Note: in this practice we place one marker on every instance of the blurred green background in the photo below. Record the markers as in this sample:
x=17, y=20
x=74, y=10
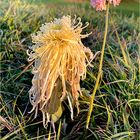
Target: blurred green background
x=126, y=7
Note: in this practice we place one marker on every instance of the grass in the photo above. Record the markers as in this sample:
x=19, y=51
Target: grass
x=117, y=102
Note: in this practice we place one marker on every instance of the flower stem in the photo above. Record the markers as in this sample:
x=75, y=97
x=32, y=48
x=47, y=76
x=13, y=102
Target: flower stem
x=99, y=71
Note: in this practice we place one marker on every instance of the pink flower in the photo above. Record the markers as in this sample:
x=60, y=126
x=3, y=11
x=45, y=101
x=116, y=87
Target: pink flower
x=100, y=5
x=115, y=2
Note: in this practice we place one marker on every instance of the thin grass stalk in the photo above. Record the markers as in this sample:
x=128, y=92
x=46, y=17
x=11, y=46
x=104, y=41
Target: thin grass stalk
x=122, y=48
x=59, y=130
x=99, y=71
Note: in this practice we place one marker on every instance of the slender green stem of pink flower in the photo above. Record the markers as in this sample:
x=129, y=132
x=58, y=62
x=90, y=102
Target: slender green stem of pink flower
x=100, y=70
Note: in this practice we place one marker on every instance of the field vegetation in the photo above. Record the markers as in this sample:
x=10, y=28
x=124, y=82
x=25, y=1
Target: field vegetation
x=116, y=113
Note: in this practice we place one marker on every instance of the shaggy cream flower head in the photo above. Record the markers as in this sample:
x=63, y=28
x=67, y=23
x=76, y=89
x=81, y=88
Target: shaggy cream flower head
x=60, y=61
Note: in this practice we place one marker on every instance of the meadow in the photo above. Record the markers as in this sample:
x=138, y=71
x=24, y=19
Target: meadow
x=116, y=112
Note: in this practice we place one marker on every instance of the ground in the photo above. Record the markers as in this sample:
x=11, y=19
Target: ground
x=116, y=108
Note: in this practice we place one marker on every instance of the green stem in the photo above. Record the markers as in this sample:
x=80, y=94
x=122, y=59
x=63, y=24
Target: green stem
x=99, y=71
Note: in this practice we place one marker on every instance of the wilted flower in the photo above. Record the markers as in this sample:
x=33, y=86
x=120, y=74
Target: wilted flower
x=101, y=4
x=60, y=61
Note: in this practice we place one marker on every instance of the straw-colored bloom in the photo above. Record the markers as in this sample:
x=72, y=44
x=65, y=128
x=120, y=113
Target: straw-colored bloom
x=101, y=4
x=60, y=61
